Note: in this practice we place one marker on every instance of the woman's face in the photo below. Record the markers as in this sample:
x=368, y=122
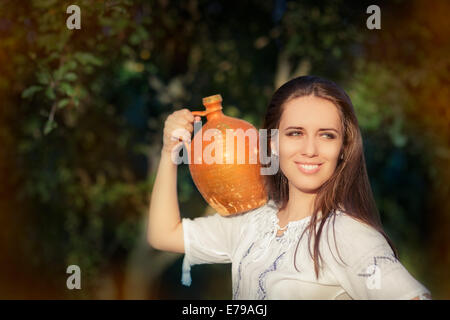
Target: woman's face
x=310, y=141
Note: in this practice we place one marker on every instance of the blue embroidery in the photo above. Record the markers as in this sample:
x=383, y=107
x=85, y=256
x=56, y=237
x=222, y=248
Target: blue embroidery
x=261, y=290
x=390, y=258
x=239, y=272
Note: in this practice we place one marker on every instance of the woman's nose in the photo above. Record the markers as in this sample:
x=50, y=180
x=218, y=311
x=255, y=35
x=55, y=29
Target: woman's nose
x=309, y=147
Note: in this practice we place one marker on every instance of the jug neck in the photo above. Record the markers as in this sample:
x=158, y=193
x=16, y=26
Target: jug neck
x=216, y=110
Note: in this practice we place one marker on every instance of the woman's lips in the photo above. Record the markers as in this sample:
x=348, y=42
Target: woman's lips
x=308, y=168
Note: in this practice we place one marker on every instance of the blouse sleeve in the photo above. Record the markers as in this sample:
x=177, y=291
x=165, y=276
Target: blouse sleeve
x=368, y=269
x=210, y=239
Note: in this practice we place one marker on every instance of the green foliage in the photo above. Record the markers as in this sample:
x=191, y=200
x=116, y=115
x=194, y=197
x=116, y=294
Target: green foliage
x=30, y=91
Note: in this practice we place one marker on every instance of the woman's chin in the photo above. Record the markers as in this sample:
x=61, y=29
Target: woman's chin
x=308, y=188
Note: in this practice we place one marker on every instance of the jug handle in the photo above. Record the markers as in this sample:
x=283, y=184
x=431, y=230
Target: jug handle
x=200, y=114
x=206, y=112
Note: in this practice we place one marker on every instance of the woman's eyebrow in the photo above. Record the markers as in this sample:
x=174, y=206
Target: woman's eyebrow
x=321, y=129
x=291, y=127
x=328, y=129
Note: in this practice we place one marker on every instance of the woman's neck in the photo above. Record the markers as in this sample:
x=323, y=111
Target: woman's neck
x=299, y=206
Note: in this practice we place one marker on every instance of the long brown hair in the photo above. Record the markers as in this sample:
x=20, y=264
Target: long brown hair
x=348, y=189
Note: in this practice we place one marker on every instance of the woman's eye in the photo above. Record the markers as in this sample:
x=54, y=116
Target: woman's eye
x=329, y=135
x=299, y=133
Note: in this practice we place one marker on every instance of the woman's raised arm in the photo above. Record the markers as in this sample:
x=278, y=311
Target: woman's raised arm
x=165, y=230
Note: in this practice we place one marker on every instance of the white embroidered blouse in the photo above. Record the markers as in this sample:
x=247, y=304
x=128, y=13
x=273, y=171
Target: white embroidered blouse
x=263, y=263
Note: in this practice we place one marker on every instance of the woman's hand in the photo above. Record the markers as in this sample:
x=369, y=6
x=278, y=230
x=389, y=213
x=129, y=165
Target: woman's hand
x=178, y=126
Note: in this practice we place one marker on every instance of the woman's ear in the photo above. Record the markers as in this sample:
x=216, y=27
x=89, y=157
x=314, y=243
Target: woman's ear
x=341, y=154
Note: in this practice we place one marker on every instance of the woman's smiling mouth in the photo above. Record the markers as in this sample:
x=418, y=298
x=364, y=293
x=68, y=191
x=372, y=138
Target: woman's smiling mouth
x=308, y=168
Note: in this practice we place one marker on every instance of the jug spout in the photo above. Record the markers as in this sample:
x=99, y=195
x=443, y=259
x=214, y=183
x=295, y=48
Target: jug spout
x=213, y=105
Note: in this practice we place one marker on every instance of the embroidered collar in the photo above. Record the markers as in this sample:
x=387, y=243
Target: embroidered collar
x=294, y=224
x=267, y=227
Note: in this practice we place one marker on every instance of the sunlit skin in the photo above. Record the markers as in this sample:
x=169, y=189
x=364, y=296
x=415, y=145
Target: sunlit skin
x=310, y=132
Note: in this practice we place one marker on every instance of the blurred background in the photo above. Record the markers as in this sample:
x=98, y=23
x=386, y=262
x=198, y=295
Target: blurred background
x=82, y=113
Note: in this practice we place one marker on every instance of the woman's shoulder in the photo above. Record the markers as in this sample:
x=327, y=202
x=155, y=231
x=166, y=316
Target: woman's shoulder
x=345, y=222
x=351, y=240
x=353, y=232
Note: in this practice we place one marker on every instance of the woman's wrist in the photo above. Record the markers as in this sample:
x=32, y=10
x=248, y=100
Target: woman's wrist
x=166, y=156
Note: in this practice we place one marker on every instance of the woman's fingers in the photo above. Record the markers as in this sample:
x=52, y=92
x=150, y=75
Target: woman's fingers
x=178, y=128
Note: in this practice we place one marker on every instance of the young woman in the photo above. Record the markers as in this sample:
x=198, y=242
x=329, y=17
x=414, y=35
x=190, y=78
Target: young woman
x=319, y=236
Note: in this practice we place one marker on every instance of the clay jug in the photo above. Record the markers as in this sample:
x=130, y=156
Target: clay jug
x=230, y=186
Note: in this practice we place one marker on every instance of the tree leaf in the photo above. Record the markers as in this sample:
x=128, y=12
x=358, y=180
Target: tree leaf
x=70, y=76
x=63, y=102
x=66, y=88
x=88, y=58
x=43, y=77
x=65, y=69
x=49, y=126
x=30, y=91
